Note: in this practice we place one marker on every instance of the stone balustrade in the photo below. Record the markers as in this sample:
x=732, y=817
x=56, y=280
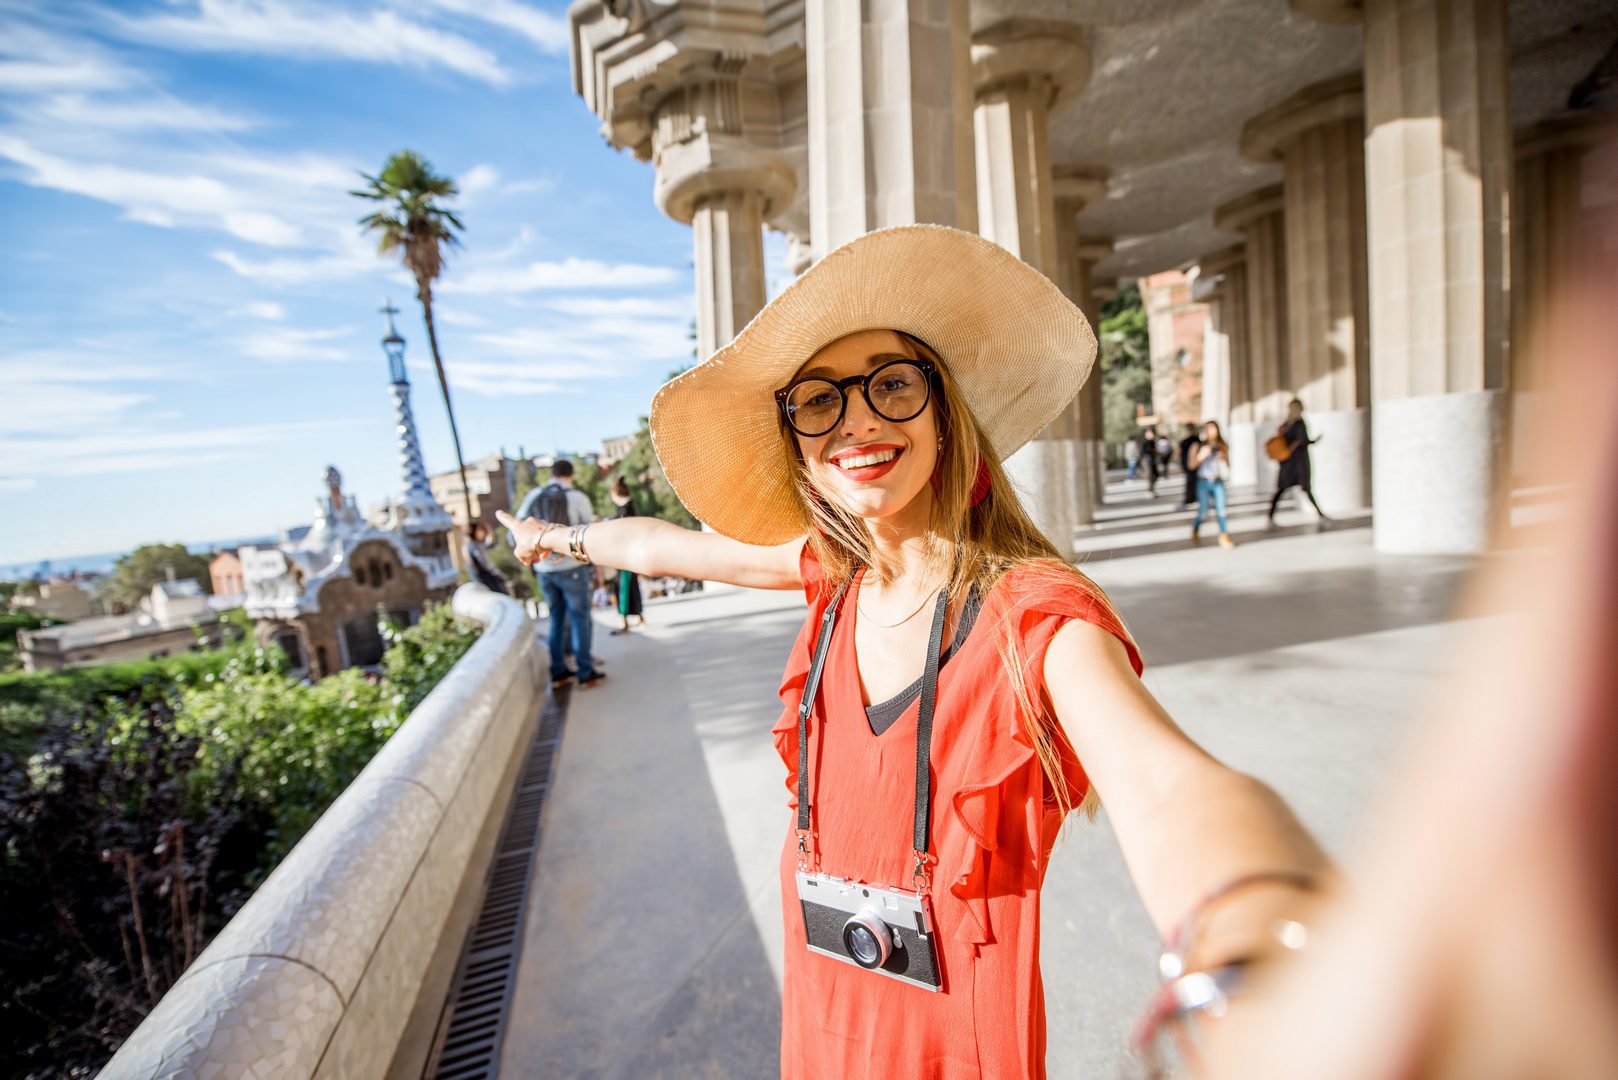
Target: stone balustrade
x=339, y=964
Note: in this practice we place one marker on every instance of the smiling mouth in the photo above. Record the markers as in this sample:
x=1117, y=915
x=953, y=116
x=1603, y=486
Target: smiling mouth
x=855, y=463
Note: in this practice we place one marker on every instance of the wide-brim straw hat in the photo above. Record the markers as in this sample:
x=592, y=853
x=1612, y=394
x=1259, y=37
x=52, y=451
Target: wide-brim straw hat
x=1017, y=348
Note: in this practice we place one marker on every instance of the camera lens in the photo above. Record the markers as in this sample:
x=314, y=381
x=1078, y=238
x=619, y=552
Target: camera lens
x=863, y=945
x=866, y=939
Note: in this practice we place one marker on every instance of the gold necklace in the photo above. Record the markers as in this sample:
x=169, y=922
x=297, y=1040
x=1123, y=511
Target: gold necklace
x=901, y=622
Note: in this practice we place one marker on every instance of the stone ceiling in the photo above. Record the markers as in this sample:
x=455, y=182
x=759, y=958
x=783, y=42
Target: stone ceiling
x=1173, y=81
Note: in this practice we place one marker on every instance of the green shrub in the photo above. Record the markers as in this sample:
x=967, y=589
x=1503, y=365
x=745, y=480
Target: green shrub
x=141, y=804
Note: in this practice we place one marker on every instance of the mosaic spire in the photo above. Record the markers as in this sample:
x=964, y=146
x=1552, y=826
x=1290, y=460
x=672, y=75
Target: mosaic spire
x=413, y=473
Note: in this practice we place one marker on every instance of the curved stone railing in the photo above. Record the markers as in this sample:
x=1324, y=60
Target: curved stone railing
x=339, y=964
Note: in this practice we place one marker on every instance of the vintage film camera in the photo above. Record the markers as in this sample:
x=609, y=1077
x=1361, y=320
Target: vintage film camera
x=882, y=930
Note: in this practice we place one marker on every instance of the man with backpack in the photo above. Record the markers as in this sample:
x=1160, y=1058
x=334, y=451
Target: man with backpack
x=566, y=583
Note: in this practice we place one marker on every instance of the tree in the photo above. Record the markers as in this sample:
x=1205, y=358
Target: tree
x=1126, y=358
x=415, y=225
x=654, y=495
x=133, y=575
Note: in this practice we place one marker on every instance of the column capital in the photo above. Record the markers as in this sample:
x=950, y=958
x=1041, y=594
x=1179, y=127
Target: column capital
x=1266, y=136
x=1095, y=248
x=699, y=148
x=1027, y=48
x=1222, y=261
x=1566, y=131
x=1237, y=214
x=1079, y=186
x=1331, y=11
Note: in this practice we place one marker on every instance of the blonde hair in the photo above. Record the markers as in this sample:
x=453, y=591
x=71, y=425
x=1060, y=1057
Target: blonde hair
x=981, y=542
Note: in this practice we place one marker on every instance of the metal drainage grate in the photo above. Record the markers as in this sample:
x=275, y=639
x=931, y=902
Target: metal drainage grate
x=474, y=1020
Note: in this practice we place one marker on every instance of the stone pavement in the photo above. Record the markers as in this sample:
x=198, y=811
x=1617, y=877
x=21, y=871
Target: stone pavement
x=653, y=938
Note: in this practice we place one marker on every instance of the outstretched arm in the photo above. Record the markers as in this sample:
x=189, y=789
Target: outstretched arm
x=651, y=546
x=1186, y=823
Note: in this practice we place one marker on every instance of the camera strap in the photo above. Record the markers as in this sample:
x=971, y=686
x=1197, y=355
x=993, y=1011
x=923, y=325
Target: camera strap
x=924, y=732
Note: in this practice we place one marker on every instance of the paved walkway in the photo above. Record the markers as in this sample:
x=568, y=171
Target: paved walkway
x=653, y=938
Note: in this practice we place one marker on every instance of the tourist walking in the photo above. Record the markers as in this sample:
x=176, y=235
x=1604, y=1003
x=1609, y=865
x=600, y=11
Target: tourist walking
x=957, y=687
x=565, y=580
x=1295, y=467
x=628, y=591
x=1191, y=440
x=1210, y=461
x=1149, y=455
x=1132, y=455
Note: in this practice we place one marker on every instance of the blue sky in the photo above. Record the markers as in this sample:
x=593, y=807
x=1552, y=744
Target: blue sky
x=188, y=316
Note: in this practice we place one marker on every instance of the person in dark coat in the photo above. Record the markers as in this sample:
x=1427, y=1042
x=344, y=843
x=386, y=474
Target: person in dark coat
x=1295, y=469
x=1187, y=445
x=1148, y=454
x=629, y=598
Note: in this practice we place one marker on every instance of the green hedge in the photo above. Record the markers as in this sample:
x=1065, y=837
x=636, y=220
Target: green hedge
x=148, y=801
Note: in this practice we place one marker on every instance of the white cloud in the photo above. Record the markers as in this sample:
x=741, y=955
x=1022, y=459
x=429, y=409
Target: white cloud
x=453, y=317
x=33, y=61
x=13, y=484
x=138, y=448
x=290, y=344
x=313, y=31
x=478, y=179
x=49, y=406
x=300, y=271
x=543, y=29
x=622, y=306
x=158, y=198
x=265, y=309
x=82, y=112
x=571, y=273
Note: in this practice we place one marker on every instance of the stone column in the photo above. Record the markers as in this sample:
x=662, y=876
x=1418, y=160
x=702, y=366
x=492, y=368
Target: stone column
x=728, y=231
x=890, y=116
x=1318, y=137
x=1076, y=188
x=1551, y=235
x=1222, y=284
x=712, y=177
x=1258, y=218
x=1022, y=69
x=1438, y=181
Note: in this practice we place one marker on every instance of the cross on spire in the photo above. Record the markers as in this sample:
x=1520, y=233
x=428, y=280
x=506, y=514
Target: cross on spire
x=390, y=311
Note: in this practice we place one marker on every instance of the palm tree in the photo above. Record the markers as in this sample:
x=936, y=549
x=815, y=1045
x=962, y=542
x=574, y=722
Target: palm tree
x=413, y=223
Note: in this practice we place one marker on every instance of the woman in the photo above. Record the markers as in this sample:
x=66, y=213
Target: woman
x=629, y=599
x=1210, y=460
x=849, y=442
x=1295, y=468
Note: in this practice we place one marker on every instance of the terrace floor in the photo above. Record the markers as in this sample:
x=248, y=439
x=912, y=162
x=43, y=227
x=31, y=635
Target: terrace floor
x=653, y=941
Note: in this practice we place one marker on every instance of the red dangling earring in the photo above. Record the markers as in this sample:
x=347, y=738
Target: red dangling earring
x=980, y=484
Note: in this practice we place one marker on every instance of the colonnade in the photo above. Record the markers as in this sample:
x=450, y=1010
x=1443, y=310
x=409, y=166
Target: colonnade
x=1374, y=282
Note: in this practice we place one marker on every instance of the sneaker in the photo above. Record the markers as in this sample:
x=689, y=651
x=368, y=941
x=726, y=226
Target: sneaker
x=1225, y=541
x=565, y=680
x=1195, y=538
x=592, y=681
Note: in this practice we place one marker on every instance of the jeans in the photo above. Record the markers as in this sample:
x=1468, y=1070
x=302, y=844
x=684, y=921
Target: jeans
x=1214, y=491
x=567, y=593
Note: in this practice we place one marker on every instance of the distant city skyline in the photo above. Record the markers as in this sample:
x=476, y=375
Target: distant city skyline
x=188, y=325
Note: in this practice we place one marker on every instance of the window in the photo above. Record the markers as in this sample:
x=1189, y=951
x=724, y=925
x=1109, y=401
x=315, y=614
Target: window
x=376, y=575
x=292, y=645
x=387, y=571
x=359, y=575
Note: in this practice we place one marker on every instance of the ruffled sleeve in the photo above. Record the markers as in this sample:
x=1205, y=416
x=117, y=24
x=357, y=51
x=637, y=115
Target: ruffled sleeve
x=796, y=675
x=1004, y=771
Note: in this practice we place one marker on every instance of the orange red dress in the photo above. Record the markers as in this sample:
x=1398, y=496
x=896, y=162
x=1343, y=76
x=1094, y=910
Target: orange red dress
x=992, y=831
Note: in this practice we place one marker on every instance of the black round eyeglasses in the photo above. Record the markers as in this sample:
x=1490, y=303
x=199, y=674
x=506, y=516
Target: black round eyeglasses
x=896, y=391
